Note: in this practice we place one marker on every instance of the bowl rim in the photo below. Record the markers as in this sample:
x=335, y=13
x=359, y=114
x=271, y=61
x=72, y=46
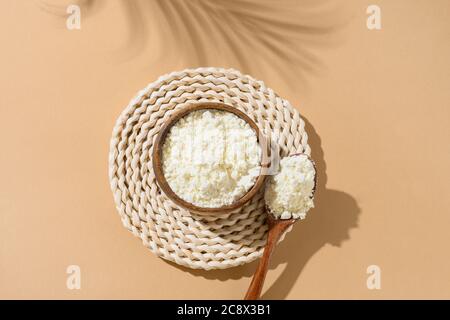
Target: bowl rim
x=157, y=158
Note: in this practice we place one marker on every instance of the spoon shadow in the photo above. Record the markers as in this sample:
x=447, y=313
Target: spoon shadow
x=330, y=222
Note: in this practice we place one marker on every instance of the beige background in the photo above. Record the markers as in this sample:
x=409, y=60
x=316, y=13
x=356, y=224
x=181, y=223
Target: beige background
x=377, y=107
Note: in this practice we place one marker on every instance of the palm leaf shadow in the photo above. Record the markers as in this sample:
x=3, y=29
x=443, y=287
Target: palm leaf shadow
x=260, y=37
x=250, y=35
x=60, y=10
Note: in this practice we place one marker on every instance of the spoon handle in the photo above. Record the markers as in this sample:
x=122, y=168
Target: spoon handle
x=276, y=229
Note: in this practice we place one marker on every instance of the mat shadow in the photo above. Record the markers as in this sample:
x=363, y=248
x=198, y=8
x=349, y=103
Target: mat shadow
x=330, y=222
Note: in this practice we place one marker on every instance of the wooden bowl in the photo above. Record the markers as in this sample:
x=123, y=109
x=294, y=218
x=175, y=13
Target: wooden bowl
x=158, y=168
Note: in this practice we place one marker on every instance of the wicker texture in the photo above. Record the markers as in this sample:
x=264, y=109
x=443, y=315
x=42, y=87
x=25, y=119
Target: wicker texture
x=173, y=233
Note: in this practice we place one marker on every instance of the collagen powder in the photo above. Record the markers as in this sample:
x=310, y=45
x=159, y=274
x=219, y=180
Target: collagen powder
x=211, y=158
x=289, y=193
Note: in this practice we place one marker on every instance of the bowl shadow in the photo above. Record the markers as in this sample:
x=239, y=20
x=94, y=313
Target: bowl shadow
x=335, y=214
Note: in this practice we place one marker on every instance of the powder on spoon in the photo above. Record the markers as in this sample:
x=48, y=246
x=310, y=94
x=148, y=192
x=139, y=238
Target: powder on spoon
x=289, y=193
x=211, y=158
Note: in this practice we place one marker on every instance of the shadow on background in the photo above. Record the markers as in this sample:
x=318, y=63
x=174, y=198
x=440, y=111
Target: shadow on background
x=265, y=38
x=330, y=222
x=280, y=36
x=56, y=8
x=252, y=36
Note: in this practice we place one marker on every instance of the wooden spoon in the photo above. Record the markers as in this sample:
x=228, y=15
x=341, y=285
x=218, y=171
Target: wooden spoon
x=276, y=229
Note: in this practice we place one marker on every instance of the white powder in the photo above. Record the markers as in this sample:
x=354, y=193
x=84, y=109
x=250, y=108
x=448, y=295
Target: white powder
x=211, y=158
x=289, y=193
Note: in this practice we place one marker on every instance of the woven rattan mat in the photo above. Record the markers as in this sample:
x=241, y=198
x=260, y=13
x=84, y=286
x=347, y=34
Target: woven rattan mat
x=173, y=233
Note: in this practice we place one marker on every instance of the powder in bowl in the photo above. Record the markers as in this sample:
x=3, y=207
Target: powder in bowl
x=289, y=193
x=211, y=158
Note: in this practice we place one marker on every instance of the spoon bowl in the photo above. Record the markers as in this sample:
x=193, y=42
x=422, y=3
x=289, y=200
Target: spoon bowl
x=277, y=227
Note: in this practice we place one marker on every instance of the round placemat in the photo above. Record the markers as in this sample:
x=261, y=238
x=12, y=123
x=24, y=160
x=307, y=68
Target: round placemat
x=171, y=232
